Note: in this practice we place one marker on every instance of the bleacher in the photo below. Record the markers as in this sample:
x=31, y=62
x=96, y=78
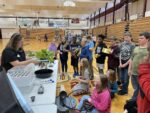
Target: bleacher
x=40, y=33
x=138, y=26
x=118, y=29
x=99, y=30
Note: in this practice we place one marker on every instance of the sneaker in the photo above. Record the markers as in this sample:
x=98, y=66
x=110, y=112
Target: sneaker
x=62, y=76
x=77, y=74
x=74, y=75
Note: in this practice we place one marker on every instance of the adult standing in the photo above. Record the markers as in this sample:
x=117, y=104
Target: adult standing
x=90, y=44
x=45, y=38
x=85, y=52
x=13, y=54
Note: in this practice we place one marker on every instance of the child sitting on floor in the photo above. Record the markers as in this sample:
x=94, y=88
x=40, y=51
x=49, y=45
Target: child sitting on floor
x=112, y=83
x=83, y=85
x=100, y=98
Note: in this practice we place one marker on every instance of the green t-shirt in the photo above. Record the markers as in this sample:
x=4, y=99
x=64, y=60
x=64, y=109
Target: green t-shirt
x=137, y=56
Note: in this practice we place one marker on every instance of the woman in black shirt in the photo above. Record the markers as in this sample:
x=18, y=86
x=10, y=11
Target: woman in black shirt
x=13, y=54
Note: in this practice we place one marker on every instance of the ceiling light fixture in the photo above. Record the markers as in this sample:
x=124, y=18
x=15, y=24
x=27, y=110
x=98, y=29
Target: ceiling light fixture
x=69, y=3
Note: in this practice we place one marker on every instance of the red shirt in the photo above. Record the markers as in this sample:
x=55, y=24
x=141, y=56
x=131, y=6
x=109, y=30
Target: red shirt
x=144, y=81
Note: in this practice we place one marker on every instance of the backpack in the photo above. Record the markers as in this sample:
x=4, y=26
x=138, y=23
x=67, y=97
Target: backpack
x=87, y=106
x=131, y=106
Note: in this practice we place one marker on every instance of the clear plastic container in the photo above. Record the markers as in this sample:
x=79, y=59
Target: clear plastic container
x=23, y=76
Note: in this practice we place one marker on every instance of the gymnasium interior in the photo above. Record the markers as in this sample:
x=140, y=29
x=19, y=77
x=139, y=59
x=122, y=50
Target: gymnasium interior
x=42, y=69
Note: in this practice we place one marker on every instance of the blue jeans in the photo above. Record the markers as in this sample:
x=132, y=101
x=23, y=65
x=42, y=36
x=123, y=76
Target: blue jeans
x=124, y=79
x=86, y=97
x=135, y=84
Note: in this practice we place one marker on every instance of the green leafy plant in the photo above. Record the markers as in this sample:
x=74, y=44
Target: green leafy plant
x=45, y=55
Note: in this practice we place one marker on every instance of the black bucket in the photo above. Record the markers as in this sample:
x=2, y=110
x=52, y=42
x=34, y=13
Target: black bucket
x=43, y=73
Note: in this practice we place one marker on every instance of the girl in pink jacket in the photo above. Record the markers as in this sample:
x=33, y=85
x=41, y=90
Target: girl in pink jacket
x=100, y=98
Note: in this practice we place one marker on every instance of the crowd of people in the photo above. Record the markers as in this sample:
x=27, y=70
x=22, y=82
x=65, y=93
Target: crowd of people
x=125, y=60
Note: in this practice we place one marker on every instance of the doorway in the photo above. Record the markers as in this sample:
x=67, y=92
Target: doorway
x=0, y=33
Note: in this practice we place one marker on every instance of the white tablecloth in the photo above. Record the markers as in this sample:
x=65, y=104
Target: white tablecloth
x=44, y=103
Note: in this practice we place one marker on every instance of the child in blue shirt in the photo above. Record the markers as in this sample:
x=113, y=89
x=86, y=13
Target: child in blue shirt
x=85, y=52
x=90, y=44
x=112, y=83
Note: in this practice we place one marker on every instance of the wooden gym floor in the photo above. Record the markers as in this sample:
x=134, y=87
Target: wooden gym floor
x=35, y=45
